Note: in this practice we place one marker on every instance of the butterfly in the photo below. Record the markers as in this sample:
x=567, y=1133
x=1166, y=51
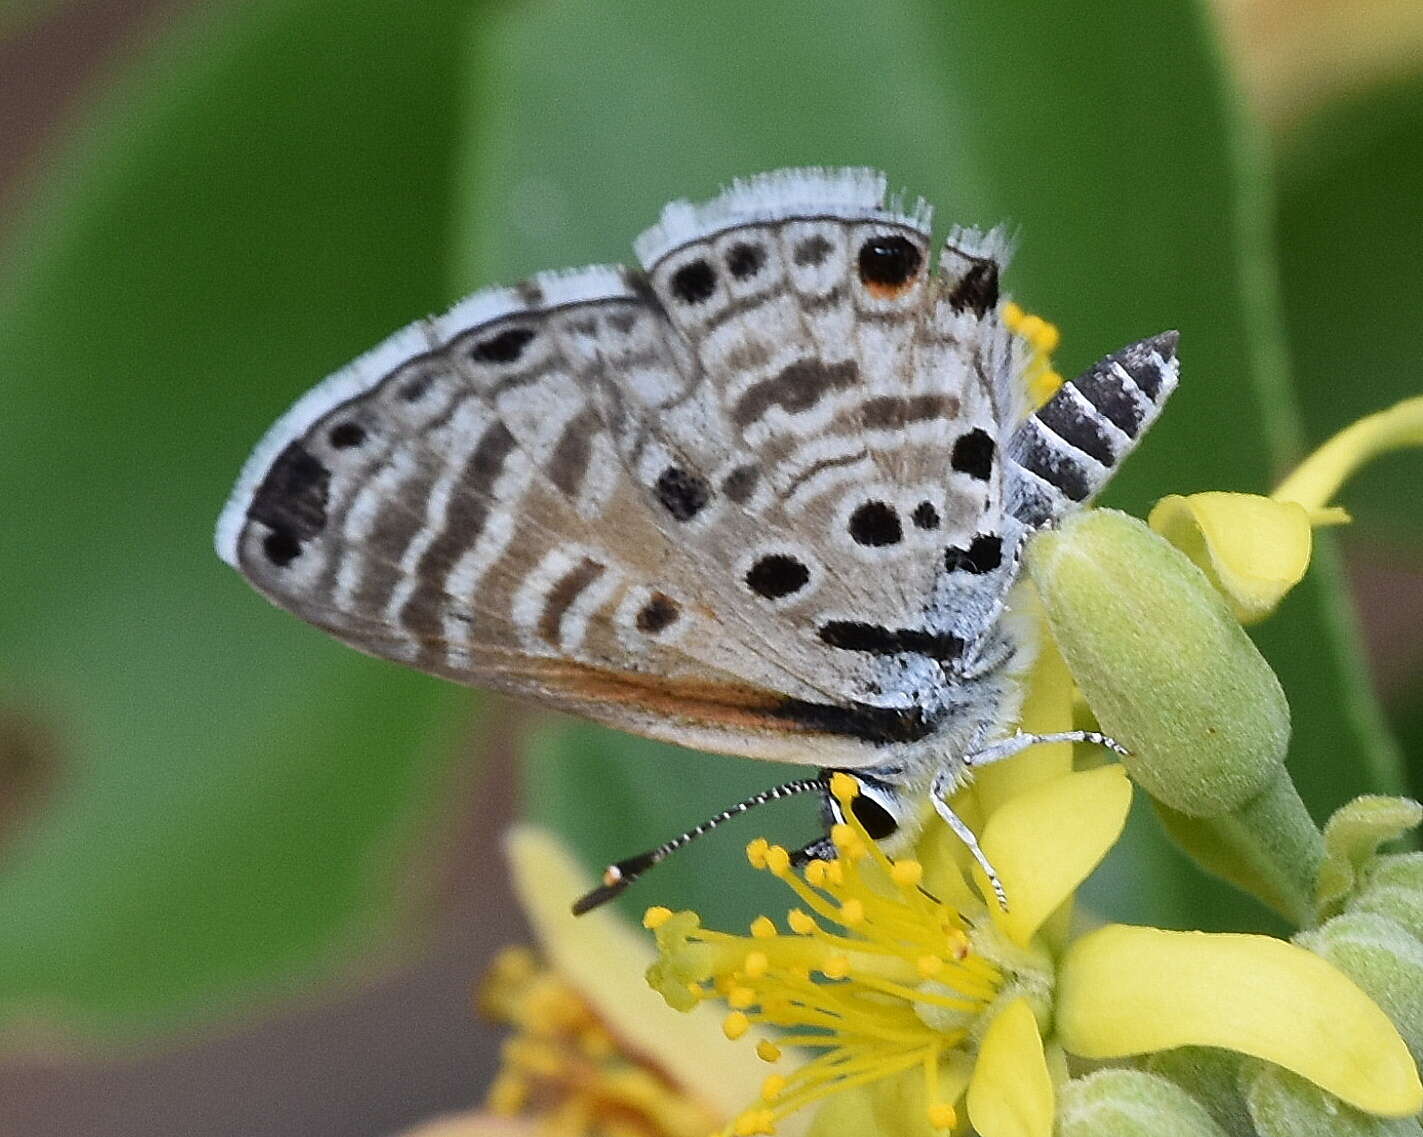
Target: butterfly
x=766, y=495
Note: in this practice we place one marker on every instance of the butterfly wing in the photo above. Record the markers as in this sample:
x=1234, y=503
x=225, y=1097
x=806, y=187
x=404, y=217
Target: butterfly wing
x=748, y=499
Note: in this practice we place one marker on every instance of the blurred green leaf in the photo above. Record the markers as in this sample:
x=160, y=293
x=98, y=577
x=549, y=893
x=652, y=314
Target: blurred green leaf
x=1103, y=131
x=1350, y=234
x=266, y=192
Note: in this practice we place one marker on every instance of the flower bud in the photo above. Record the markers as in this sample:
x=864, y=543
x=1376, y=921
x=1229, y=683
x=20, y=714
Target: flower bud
x=1383, y=959
x=1163, y=663
x=1285, y=1105
x=1393, y=887
x=1211, y=1076
x=1352, y=837
x=1131, y=1103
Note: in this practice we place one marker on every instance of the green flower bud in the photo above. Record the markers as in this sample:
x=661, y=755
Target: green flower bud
x=1352, y=837
x=1384, y=959
x=1211, y=1077
x=1163, y=663
x=1130, y=1103
x=1285, y=1105
x=1393, y=887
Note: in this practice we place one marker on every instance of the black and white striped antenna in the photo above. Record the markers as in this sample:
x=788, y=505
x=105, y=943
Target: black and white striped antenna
x=617, y=877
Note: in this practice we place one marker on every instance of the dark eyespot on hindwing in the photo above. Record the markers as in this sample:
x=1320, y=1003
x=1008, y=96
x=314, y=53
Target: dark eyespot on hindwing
x=812, y=251
x=681, y=492
x=506, y=347
x=777, y=575
x=744, y=260
x=977, y=289
x=973, y=454
x=888, y=263
x=874, y=523
x=984, y=554
x=693, y=282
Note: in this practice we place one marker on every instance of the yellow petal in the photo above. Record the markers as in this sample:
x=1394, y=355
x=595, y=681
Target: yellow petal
x=895, y=1105
x=1011, y=1092
x=1252, y=549
x=605, y=959
x=1319, y=476
x=1046, y=841
x=1124, y=991
x=1047, y=709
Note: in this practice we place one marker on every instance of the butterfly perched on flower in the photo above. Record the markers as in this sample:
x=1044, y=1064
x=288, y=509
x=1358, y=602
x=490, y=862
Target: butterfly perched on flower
x=765, y=495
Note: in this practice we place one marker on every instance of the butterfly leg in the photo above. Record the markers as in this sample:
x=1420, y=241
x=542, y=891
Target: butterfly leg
x=1017, y=743
x=938, y=793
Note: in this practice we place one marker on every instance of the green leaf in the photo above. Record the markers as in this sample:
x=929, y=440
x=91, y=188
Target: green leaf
x=1349, y=233
x=1104, y=132
x=266, y=192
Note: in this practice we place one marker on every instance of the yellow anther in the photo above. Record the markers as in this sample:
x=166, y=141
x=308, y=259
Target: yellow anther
x=1012, y=313
x=762, y=928
x=655, y=917
x=772, y=1087
x=756, y=852
x=778, y=860
x=907, y=874
x=815, y=873
x=1048, y=339
x=735, y=1025
x=836, y=967
x=943, y=1116
x=756, y=964
x=768, y=1051
x=844, y=787
x=835, y=872
x=1030, y=327
x=852, y=912
x=844, y=836
x=800, y=922
x=930, y=965
x=745, y=1125
x=740, y=998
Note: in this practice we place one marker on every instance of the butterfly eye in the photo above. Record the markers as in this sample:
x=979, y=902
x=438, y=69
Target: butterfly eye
x=879, y=823
x=888, y=264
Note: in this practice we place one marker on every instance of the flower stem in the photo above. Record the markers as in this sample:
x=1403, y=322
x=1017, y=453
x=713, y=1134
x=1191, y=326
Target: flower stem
x=1269, y=846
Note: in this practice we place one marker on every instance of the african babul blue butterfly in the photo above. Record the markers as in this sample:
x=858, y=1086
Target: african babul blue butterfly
x=766, y=495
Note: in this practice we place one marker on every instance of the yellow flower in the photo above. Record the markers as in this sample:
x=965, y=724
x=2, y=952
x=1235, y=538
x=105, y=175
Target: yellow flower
x=594, y=1052
x=923, y=1004
x=1255, y=549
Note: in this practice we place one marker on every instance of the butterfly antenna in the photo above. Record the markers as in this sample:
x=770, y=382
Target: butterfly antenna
x=617, y=877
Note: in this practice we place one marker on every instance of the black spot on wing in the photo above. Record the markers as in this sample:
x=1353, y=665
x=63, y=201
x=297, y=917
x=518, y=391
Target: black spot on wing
x=889, y=262
x=973, y=454
x=505, y=347
x=291, y=502
x=777, y=575
x=658, y=614
x=682, y=493
x=875, y=524
x=345, y=435
x=984, y=554
x=740, y=484
x=694, y=282
x=812, y=251
x=875, y=639
x=977, y=290
x=925, y=516
x=744, y=260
